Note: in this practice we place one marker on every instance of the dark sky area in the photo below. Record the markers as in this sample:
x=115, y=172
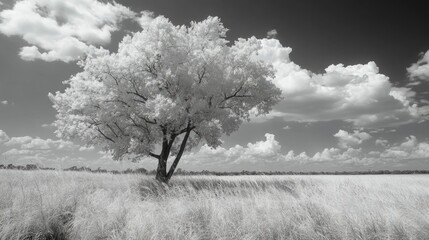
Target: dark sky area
x=391, y=33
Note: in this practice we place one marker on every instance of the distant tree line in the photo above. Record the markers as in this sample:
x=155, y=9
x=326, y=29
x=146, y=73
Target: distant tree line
x=26, y=167
x=368, y=172
x=74, y=168
x=182, y=172
x=100, y=170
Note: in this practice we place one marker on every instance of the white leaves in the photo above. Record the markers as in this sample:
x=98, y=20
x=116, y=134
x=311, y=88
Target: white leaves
x=164, y=80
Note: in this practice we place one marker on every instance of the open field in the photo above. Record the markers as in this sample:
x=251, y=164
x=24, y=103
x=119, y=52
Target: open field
x=77, y=205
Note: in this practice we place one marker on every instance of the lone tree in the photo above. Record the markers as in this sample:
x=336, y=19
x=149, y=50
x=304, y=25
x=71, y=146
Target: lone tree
x=167, y=88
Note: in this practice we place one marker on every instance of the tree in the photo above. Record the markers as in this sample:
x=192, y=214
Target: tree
x=167, y=88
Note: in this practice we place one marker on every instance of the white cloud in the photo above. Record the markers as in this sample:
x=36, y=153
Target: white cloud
x=145, y=18
x=382, y=142
x=346, y=140
x=265, y=152
x=61, y=30
x=358, y=93
x=335, y=154
x=258, y=152
x=265, y=117
x=272, y=33
x=84, y=148
x=30, y=143
x=269, y=152
x=18, y=140
x=4, y=102
x=420, y=70
x=3, y=137
x=410, y=148
x=56, y=153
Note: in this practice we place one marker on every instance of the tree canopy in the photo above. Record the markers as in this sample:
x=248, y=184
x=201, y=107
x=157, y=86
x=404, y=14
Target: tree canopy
x=168, y=86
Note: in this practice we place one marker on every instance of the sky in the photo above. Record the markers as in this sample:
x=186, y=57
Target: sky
x=354, y=77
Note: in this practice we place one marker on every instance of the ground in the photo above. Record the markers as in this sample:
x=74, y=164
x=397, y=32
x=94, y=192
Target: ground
x=79, y=205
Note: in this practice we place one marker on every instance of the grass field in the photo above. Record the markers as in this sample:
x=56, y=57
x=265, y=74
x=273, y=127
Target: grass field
x=78, y=205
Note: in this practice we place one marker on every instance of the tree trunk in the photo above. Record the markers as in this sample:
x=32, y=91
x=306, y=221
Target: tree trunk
x=161, y=171
x=179, y=155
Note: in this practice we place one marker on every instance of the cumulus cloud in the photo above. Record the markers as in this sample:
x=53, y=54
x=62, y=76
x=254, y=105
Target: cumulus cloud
x=62, y=30
x=45, y=152
x=409, y=149
x=357, y=93
x=268, y=152
x=30, y=143
x=3, y=137
x=272, y=33
x=85, y=148
x=56, y=153
x=335, y=154
x=260, y=151
x=265, y=152
x=346, y=139
x=145, y=18
x=382, y=142
x=420, y=70
x=4, y=102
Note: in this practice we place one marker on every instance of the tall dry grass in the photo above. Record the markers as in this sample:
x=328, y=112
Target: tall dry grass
x=70, y=205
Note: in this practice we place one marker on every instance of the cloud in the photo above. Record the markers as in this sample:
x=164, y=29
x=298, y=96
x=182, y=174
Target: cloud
x=3, y=137
x=44, y=152
x=265, y=117
x=268, y=153
x=346, y=139
x=335, y=154
x=4, y=102
x=84, y=148
x=264, y=152
x=382, y=142
x=420, y=70
x=409, y=149
x=272, y=33
x=62, y=30
x=357, y=93
x=56, y=153
x=260, y=151
x=145, y=18
x=30, y=143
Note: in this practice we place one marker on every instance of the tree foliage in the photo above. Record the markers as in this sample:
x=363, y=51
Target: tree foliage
x=168, y=86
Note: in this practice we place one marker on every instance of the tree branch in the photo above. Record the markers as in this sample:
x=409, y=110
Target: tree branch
x=104, y=135
x=201, y=76
x=157, y=156
x=235, y=95
x=138, y=95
